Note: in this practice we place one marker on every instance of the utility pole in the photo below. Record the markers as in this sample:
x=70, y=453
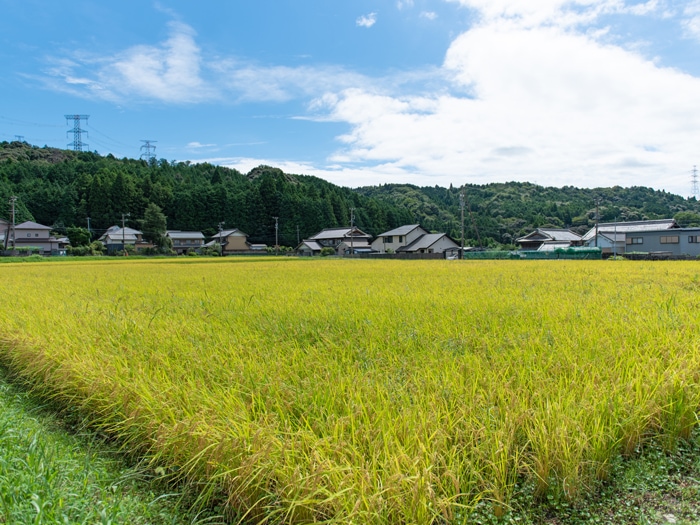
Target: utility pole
x=13, y=199
x=298, y=241
x=19, y=138
x=89, y=230
x=277, y=244
x=221, y=234
x=77, y=131
x=597, y=215
x=124, y=216
x=352, y=227
x=148, y=154
x=461, y=205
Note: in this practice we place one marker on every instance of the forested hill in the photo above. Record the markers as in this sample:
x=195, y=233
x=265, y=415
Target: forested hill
x=62, y=188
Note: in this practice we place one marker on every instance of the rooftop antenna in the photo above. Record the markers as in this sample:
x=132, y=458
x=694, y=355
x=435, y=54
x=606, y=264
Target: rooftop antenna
x=148, y=146
x=694, y=189
x=77, y=131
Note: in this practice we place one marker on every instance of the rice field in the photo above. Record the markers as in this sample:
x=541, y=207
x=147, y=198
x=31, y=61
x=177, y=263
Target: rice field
x=354, y=391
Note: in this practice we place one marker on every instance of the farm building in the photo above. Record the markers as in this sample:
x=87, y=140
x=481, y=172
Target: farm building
x=621, y=237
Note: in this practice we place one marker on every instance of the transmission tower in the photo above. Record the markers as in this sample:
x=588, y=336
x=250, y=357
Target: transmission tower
x=694, y=189
x=77, y=131
x=150, y=152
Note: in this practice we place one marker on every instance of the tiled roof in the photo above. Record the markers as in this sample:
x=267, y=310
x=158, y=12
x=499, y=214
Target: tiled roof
x=338, y=233
x=561, y=235
x=312, y=245
x=423, y=242
x=29, y=225
x=401, y=230
x=174, y=234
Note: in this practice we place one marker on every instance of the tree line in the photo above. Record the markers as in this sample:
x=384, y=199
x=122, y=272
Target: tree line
x=62, y=188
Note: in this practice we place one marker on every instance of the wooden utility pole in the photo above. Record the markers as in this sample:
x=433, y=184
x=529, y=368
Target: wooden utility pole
x=461, y=205
x=13, y=199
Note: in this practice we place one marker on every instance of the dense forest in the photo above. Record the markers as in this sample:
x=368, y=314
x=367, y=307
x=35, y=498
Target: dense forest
x=62, y=188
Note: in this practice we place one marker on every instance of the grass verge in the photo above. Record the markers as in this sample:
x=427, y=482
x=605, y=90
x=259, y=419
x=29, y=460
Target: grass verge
x=50, y=475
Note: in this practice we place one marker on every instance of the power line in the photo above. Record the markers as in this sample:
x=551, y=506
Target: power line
x=25, y=123
x=92, y=128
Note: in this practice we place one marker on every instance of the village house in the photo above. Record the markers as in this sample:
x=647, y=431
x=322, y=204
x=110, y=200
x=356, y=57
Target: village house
x=184, y=241
x=392, y=240
x=343, y=240
x=33, y=237
x=549, y=239
x=431, y=243
x=231, y=241
x=116, y=238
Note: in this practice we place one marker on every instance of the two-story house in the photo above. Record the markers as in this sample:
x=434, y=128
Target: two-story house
x=33, y=237
x=393, y=240
x=184, y=241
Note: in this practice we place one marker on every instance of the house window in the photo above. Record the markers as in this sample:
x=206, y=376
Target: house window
x=400, y=238
x=29, y=235
x=36, y=235
x=693, y=239
x=635, y=240
x=389, y=239
x=670, y=239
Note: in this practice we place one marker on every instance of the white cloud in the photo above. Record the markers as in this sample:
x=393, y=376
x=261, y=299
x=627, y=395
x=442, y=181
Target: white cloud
x=547, y=103
x=198, y=145
x=170, y=72
x=401, y=4
x=691, y=22
x=367, y=20
x=429, y=15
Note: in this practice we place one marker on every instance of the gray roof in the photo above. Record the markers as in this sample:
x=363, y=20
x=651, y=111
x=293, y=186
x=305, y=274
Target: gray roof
x=357, y=242
x=401, y=230
x=338, y=233
x=117, y=238
x=552, y=234
x=227, y=233
x=29, y=225
x=312, y=245
x=558, y=234
x=631, y=227
x=177, y=234
x=116, y=231
x=423, y=242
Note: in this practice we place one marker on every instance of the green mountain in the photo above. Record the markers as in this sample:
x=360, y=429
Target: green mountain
x=63, y=188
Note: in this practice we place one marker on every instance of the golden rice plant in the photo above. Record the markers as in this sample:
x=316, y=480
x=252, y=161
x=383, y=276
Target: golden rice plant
x=355, y=391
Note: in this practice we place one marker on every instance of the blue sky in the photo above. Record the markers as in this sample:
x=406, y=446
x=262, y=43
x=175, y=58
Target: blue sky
x=430, y=92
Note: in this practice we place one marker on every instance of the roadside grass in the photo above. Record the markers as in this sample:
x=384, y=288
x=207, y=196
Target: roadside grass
x=49, y=474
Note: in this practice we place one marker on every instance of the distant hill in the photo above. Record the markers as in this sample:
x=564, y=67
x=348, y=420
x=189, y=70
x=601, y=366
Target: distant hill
x=62, y=188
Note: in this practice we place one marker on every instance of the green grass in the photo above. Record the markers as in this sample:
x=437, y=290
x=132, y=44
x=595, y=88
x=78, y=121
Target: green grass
x=49, y=475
